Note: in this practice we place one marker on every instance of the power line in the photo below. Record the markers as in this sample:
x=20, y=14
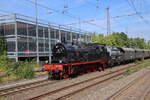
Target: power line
x=131, y=4
x=87, y=21
x=84, y=21
x=54, y=10
x=126, y=15
x=67, y=14
x=83, y=5
x=114, y=17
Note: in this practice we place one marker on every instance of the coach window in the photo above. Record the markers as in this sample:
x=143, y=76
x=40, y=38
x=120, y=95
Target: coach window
x=10, y=29
x=22, y=29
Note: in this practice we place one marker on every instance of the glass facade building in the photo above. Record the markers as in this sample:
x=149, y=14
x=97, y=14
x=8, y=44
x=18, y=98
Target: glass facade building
x=30, y=39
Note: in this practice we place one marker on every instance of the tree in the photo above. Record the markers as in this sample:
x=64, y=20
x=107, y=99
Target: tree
x=120, y=39
x=117, y=39
x=94, y=37
x=139, y=43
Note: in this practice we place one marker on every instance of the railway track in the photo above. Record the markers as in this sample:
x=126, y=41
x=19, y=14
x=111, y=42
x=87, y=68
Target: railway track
x=125, y=89
x=84, y=84
x=19, y=88
x=146, y=95
x=24, y=87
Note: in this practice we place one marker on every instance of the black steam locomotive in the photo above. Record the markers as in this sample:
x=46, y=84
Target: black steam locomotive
x=69, y=59
x=94, y=51
x=79, y=53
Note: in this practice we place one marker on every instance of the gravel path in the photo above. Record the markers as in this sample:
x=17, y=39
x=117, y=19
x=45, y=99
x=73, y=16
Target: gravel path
x=102, y=92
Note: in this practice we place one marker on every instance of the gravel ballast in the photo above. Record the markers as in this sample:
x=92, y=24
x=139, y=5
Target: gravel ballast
x=40, y=90
x=103, y=92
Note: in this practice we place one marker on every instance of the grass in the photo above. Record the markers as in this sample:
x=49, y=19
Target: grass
x=145, y=64
x=2, y=98
x=22, y=70
x=9, y=78
x=118, y=78
x=40, y=73
x=110, y=70
x=16, y=71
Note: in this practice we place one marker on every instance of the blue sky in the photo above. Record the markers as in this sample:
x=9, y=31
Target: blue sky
x=87, y=10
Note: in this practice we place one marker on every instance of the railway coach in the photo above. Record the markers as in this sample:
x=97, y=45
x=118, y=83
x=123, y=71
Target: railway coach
x=129, y=55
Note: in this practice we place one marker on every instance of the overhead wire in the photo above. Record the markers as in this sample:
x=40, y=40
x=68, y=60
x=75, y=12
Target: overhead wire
x=54, y=10
x=67, y=14
x=83, y=5
x=126, y=15
x=114, y=17
x=132, y=5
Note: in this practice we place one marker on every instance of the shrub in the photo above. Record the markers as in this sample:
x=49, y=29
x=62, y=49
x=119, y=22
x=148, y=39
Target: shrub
x=22, y=70
x=4, y=63
x=26, y=70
